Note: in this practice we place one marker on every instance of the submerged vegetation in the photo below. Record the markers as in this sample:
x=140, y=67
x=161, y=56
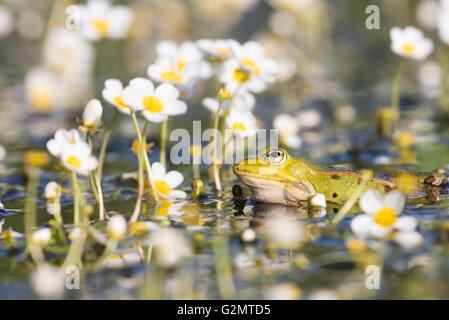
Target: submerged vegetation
x=114, y=183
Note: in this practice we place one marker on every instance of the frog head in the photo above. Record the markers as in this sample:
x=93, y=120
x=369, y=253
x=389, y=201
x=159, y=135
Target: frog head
x=275, y=177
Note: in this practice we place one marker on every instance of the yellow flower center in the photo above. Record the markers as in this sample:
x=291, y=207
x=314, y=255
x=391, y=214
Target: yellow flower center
x=241, y=76
x=41, y=100
x=36, y=158
x=251, y=65
x=153, y=104
x=163, y=209
x=119, y=102
x=385, y=217
x=162, y=187
x=408, y=48
x=73, y=161
x=239, y=126
x=172, y=76
x=102, y=26
x=181, y=64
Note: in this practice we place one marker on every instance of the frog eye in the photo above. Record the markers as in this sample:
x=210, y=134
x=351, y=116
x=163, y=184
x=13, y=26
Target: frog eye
x=276, y=156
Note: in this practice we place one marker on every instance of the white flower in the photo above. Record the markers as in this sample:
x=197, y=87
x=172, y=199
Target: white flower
x=248, y=69
x=308, y=119
x=113, y=93
x=65, y=139
x=6, y=21
x=283, y=291
x=443, y=22
x=92, y=115
x=48, y=282
x=410, y=43
x=43, y=89
x=381, y=214
x=52, y=190
x=117, y=227
x=242, y=102
x=408, y=240
x=54, y=208
x=178, y=64
x=170, y=247
x=288, y=128
x=78, y=158
x=155, y=104
x=166, y=182
x=101, y=20
x=243, y=124
x=318, y=200
x=248, y=235
x=41, y=237
x=285, y=232
x=216, y=50
x=426, y=11
x=68, y=54
x=430, y=77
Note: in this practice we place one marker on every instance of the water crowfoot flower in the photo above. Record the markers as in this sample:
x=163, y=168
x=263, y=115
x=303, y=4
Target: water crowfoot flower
x=52, y=195
x=101, y=20
x=243, y=124
x=154, y=103
x=166, y=182
x=48, y=282
x=288, y=128
x=410, y=43
x=382, y=215
x=113, y=93
x=216, y=50
x=241, y=102
x=116, y=227
x=91, y=120
x=249, y=69
x=178, y=64
x=170, y=248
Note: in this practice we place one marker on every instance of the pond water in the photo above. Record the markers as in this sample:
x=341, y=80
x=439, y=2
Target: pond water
x=221, y=264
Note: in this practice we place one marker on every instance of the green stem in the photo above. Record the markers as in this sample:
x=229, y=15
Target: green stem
x=223, y=268
x=215, y=165
x=95, y=185
x=101, y=209
x=144, y=155
x=163, y=151
x=31, y=205
x=104, y=144
x=76, y=199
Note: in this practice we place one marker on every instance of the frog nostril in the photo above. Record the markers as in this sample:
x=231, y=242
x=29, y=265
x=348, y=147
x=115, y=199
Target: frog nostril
x=334, y=195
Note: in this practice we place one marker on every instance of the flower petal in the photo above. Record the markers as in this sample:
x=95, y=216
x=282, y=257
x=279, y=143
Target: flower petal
x=166, y=91
x=408, y=240
x=158, y=171
x=178, y=194
x=371, y=201
x=395, y=200
x=406, y=224
x=361, y=224
x=174, y=178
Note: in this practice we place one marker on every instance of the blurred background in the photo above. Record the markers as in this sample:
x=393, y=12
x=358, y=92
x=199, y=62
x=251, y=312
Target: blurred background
x=328, y=56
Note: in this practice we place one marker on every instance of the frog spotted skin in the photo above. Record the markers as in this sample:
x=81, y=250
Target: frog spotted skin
x=275, y=177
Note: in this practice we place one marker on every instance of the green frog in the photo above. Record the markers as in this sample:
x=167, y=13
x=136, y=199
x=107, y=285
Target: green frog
x=276, y=177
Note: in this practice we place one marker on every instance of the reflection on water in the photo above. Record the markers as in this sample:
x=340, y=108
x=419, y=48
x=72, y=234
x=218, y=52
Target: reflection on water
x=320, y=259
